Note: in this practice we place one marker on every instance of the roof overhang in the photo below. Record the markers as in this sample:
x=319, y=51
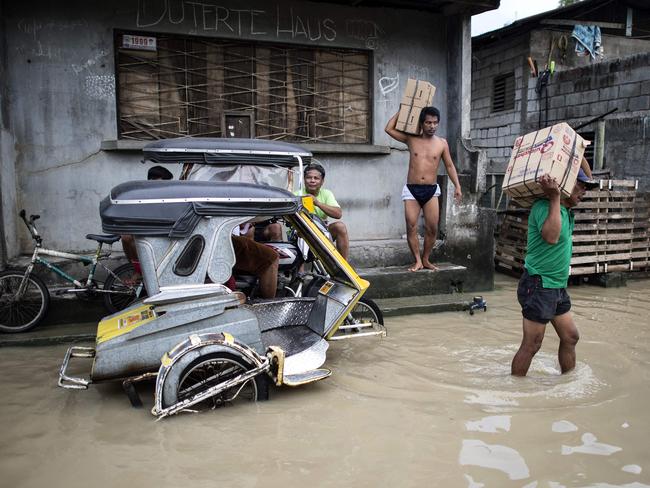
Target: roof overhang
x=441, y=7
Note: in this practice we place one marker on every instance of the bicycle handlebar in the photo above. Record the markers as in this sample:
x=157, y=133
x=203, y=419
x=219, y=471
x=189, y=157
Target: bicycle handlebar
x=30, y=225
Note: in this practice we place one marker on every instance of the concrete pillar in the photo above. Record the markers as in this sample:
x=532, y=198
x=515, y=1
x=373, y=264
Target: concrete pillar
x=8, y=237
x=468, y=159
x=3, y=119
x=459, y=80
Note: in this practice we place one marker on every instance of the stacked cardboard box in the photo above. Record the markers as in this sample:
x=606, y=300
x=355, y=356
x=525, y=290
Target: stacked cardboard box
x=555, y=150
x=417, y=95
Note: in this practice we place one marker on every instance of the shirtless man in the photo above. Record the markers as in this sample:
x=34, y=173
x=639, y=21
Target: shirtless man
x=421, y=190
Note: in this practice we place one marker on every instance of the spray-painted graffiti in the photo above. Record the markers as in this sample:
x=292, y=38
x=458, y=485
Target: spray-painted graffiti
x=307, y=29
x=387, y=84
x=364, y=30
x=196, y=15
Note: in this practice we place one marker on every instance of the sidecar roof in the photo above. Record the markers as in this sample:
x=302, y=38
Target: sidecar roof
x=173, y=208
x=213, y=150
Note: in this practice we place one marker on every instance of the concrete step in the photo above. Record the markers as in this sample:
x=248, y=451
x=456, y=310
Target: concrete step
x=380, y=253
x=398, y=281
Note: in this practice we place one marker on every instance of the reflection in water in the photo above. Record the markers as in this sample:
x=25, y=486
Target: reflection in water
x=494, y=456
x=563, y=426
x=396, y=412
x=590, y=446
x=490, y=424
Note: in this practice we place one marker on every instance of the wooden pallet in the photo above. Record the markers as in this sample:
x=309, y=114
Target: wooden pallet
x=611, y=234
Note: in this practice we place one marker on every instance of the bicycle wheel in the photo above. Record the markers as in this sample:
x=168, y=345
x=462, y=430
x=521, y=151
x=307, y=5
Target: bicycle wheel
x=20, y=315
x=125, y=286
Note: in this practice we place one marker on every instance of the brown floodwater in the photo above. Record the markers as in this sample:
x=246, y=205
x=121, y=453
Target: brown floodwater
x=433, y=404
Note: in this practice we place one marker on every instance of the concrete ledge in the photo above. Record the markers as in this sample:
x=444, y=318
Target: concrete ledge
x=313, y=147
x=393, y=307
x=399, y=282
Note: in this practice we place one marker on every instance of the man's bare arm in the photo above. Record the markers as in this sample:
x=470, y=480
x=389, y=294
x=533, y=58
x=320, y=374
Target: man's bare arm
x=393, y=132
x=552, y=225
x=330, y=210
x=451, y=171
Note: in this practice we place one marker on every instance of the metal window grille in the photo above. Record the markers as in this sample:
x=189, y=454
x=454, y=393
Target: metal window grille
x=205, y=87
x=503, y=93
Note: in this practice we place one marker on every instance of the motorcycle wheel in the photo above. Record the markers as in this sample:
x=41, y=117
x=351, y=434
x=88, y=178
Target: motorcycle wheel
x=366, y=310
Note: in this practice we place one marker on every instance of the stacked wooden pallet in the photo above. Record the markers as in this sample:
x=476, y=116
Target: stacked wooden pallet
x=611, y=232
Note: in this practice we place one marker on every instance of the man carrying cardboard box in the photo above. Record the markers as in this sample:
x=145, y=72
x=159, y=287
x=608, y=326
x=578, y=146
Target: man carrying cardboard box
x=542, y=288
x=421, y=190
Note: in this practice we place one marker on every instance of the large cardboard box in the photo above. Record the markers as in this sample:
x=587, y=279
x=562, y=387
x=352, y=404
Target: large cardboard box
x=556, y=150
x=417, y=95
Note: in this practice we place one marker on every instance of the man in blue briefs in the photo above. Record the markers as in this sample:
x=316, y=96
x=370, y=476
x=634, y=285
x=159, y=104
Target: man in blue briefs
x=421, y=191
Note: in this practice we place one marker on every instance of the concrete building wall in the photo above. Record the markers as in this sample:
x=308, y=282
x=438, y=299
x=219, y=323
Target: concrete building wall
x=495, y=132
x=61, y=88
x=575, y=95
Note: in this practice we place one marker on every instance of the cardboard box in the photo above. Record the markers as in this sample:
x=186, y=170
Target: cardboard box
x=417, y=94
x=555, y=150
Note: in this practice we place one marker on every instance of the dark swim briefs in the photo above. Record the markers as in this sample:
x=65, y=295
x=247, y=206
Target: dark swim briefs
x=421, y=193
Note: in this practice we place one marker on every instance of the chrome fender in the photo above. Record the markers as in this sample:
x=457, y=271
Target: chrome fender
x=174, y=362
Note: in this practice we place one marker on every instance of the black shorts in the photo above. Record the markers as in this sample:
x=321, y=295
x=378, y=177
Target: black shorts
x=541, y=304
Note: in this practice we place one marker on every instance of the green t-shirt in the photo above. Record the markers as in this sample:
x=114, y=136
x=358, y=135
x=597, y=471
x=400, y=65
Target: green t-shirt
x=550, y=261
x=324, y=196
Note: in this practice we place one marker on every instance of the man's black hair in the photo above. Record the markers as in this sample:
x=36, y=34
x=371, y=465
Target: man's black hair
x=159, y=173
x=433, y=111
x=315, y=166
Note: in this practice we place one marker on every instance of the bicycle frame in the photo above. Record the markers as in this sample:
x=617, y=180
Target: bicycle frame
x=39, y=250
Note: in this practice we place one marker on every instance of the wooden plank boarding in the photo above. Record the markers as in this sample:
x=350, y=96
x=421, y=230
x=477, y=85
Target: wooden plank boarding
x=611, y=234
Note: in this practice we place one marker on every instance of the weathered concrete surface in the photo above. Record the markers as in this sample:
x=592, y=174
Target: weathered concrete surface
x=399, y=282
x=63, y=105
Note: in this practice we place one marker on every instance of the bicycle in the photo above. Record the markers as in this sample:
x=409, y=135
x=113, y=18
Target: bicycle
x=25, y=299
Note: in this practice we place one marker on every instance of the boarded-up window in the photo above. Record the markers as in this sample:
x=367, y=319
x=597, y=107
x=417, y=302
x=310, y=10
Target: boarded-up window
x=503, y=93
x=224, y=88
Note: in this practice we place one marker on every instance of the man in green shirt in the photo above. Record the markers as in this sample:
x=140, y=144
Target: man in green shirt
x=542, y=288
x=326, y=206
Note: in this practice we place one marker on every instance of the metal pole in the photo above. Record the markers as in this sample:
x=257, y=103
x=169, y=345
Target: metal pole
x=599, y=152
x=628, y=23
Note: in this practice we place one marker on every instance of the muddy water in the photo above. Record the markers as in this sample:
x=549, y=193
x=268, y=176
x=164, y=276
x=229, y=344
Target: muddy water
x=431, y=405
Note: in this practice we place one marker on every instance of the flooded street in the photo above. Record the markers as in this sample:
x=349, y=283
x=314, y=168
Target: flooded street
x=433, y=404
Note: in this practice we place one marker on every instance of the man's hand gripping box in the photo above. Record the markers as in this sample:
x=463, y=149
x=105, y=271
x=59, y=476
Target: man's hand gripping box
x=555, y=150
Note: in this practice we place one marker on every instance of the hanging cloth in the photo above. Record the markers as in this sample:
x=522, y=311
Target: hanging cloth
x=588, y=40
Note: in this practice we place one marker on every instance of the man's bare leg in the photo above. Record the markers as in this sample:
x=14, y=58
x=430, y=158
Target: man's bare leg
x=272, y=232
x=340, y=235
x=431, y=217
x=568, y=333
x=530, y=344
x=411, y=214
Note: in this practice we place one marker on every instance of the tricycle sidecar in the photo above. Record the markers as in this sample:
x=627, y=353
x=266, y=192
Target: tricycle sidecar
x=205, y=344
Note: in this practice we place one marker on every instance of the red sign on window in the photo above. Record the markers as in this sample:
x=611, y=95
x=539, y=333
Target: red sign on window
x=139, y=42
